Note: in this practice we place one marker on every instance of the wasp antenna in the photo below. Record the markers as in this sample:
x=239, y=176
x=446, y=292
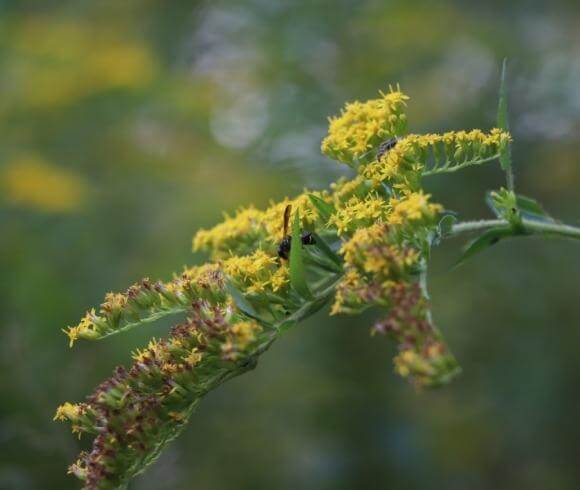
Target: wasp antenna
x=287, y=213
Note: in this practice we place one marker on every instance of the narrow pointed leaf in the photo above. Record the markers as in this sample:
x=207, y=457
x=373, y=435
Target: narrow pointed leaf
x=530, y=208
x=486, y=240
x=326, y=250
x=502, y=119
x=241, y=302
x=324, y=209
x=446, y=224
x=297, y=270
x=492, y=205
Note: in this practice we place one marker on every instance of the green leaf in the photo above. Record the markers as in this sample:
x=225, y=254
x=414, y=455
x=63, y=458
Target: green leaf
x=530, y=208
x=502, y=119
x=321, y=245
x=486, y=240
x=324, y=209
x=491, y=203
x=446, y=224
x=297, y=270
x=304, y=312
x=502, y=109
x=241, y=302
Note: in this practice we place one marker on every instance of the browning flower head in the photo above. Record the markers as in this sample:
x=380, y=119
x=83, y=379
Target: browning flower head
x=137, y=410
x=423, y=357
x=144, y=300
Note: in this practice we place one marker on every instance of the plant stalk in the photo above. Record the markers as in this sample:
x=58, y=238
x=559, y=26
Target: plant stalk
x=528, y=227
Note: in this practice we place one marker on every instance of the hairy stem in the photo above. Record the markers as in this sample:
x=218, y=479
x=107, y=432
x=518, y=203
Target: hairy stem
x=528, y=227
x=448, y=167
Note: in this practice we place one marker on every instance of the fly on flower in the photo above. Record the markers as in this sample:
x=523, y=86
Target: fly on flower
x=387, y=145
x=284, y=248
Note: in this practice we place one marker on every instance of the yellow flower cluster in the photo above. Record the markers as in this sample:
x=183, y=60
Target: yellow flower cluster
x=412, y=208
x=67, y=411
x=371, y=250
x=58, y=71
x=424, y=366
x=144, y=301
x=250, y=228
x=359, y=212
x=408, y=209
x=373, y=234
x=240, y=336
x=257, y=273
x=394, y=165
x=80, y=415
x=343, y=189
x=374, y=260
x=412, y=155
x=362, y=126
x=274, y=215
x=85, y=329
x=350, y=292
x=31, y=182
x=245, y=226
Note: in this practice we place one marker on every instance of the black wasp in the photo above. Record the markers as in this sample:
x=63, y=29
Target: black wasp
x=284, y=248
x=387, y=145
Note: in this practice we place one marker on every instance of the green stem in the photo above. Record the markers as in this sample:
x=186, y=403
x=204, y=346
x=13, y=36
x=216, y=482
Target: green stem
x=528, y=227
x=450, y=168
x=552, y=229
x=467, y=226
x=509, y=175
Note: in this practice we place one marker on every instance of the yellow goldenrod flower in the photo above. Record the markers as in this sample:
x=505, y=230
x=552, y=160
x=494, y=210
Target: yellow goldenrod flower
x=68, y=411
x=368, y=243
x=244, y=225
x=31, y=182
x=359, y=212
x=411, y=208
x=245, y=332
x=194, y=357
x=344, y=189
x=363, y=126
x=257, y=273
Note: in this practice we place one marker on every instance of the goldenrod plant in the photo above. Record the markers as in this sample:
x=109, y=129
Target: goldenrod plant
x=363, y=242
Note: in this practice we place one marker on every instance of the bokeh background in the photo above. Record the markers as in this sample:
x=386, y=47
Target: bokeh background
x=126, y=125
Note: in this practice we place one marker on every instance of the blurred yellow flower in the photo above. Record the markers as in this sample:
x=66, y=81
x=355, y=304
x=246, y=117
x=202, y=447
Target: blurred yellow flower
x=74, y=60
x=31, y=182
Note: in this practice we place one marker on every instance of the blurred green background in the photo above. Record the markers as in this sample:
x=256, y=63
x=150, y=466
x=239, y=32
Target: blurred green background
x=126, y=125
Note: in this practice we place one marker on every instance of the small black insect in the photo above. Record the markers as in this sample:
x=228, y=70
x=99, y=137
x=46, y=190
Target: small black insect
x=385, y=146
x=284, y=248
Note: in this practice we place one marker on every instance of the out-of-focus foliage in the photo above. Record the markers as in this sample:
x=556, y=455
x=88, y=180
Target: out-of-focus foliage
x=216, y=105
